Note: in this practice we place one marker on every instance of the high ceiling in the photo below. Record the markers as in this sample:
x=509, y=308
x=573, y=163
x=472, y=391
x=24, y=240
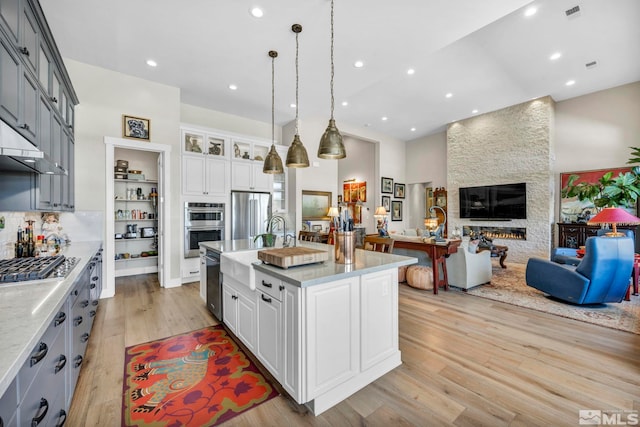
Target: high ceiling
x=487, y=54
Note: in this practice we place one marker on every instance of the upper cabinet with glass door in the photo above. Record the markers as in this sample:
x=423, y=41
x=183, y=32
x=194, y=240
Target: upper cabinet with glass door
x=197, y=142
x=245, y=150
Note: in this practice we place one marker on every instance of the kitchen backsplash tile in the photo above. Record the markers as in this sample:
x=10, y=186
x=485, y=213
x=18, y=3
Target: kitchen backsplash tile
x=79, y=226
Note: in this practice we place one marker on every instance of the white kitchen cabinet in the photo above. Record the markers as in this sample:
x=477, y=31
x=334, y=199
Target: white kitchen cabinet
x=269, y=340
x=204, y=176
x=247, y=161
x=239, y=312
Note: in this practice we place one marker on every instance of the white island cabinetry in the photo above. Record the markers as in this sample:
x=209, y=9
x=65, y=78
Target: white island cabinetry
x=324, y=331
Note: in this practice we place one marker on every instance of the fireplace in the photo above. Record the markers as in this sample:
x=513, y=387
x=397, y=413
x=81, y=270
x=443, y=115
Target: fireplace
x=512, y=233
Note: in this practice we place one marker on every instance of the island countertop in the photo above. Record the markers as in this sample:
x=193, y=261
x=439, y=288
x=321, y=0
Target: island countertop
x=27, y=309
x=318, y=273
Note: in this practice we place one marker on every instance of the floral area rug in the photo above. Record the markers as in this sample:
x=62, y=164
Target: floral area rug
x=509, y=285
x=200, y=378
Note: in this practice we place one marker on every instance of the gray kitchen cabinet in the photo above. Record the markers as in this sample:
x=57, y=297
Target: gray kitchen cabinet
x=9, y=18
x=9, y=83
x=9, y=406
x=37, y=100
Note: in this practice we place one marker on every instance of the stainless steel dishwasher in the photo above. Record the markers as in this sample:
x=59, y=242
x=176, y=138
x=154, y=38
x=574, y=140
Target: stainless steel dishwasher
x=214, y=283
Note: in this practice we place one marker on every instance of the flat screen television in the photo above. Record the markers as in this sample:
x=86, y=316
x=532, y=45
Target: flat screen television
x=494, y=202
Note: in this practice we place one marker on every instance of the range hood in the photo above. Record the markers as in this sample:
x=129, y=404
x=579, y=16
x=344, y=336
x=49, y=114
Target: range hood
x=17, y=154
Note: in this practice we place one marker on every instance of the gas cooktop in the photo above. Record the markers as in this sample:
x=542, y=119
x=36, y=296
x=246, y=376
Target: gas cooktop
x=24, y=269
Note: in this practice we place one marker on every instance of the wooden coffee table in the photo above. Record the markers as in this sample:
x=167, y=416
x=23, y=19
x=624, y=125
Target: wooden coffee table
x=497, y=251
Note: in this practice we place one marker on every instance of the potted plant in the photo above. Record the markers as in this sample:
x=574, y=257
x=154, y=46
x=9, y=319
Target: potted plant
x=269, y=238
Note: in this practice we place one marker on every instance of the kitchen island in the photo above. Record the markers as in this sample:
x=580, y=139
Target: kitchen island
x=324, y=330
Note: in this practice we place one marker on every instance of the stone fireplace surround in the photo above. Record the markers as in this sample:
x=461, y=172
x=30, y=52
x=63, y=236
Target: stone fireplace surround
x=514, y=144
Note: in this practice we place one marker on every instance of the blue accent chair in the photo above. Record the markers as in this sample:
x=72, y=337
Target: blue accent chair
x=602, y=275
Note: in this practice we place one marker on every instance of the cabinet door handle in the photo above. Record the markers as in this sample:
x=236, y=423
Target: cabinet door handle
x=77, y=321
x=42, y=412
x=23, y=50
x=84, y=338
x=84, y=304
x=60, y=318
x=77, y=361
x=94, y=303
x=265, y=299
x=266, y=285
x=54, y=99
x=39, y=355
x=281, y=287
x=62, y=360
x=24, y=126
x=92, y=313
x=62, y=418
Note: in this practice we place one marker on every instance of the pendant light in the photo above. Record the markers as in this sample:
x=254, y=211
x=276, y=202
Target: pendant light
x=331, y=146
x=297, y=155
x=273, y=162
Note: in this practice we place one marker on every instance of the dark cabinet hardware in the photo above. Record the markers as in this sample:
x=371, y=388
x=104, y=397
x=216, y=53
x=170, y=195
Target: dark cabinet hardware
x=23, y=50
x=62, y=418
x=60, y=318
x=77, y=361
x=77, y=321
x=266, y=285
x=39, y=355
x=265, y=299
x=62, y=360
x=84, y=337
x=42, y=412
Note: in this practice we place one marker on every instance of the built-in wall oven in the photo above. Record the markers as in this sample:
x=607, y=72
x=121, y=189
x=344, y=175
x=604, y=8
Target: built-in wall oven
x=203, y=222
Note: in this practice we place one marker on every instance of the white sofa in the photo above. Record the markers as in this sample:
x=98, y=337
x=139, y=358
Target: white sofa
x=466, y=270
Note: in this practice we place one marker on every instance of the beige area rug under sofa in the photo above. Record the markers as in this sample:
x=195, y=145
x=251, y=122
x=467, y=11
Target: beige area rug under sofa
x=508, y=285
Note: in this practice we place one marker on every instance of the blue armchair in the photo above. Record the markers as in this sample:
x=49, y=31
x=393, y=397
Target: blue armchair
x=602, y=275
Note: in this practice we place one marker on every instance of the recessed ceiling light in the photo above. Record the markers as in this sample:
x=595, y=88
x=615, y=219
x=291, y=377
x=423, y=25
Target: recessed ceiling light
x=570, y=83
x=292, y=105
x=449, y=95
x=358, y=64
x=413, y=129
x=152, y=63
x=256, y=12
x=411, y=71
x=384, y=118
x=345, y=103
x=474, y=111
x=233, y=87
x=530, y=11
x=555, y=55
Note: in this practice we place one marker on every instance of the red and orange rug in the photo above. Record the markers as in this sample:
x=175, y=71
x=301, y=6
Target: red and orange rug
x=200, y=378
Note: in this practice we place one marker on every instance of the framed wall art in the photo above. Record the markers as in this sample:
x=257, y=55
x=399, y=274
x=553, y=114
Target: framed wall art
x=574, y=210
x=386, y=185
x=354, y=191
x=136, y=128
x=396, y=210
x=398, y=191
x=386, y=203
x=315, y=205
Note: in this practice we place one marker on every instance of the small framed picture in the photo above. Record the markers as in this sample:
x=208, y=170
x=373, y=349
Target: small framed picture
x=136, y=128
x=386, y=203
x=316, y=227
x=340, y=199
x=386, y=185
x=396, y=210
x=398, y=191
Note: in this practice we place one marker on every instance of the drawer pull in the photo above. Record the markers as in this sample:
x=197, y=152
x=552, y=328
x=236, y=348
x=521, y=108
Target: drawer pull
x=23, y=50
x=94, y=303
x=266, y=285
x=265, y=299
x=60, y=318
x=62, y=418
x=92, y=313
x=77, y=321
x=62, y=360
x=42, y=412
x=84, y=304
x=39, y=355
x=281, y=287
x=77, y=361
x=84, y=338
x=234, y=297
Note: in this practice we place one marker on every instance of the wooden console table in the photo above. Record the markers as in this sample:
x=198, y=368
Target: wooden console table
x=438, y=252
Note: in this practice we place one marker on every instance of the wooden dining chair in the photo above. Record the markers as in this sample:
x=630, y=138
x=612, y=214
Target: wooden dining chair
x=378, y=244
x=309, y=236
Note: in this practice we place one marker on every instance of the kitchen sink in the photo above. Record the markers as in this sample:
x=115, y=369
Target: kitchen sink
x=238, y=265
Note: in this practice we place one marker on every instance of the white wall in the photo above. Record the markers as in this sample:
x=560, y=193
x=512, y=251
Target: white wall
x=426, y=160
x=360, y=165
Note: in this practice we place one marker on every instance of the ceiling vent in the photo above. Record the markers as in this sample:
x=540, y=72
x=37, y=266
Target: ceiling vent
x=573, y=11
x=591, y=64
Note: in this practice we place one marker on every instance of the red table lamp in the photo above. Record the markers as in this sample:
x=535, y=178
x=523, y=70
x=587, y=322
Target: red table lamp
x=614, y=216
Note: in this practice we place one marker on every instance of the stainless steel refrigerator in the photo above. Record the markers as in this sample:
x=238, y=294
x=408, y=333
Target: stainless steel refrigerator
x=249, y=214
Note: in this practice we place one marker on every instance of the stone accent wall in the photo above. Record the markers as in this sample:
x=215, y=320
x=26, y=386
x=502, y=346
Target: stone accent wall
x=511, y=145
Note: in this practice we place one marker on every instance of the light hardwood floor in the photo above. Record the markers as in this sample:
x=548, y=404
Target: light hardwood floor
x=467, y=361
